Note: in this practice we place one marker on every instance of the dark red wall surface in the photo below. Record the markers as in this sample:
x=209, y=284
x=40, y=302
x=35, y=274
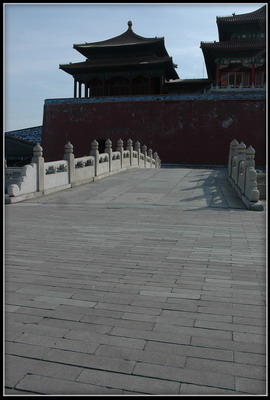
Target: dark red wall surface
x=182, y=132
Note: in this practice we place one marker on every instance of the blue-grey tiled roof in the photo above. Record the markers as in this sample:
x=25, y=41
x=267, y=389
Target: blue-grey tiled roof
x=29, y=134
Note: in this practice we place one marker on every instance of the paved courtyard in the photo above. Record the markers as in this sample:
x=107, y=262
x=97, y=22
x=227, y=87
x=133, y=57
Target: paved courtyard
x=146, y=282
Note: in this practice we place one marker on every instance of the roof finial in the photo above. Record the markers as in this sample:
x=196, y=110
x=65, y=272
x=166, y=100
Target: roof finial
x=129, y=24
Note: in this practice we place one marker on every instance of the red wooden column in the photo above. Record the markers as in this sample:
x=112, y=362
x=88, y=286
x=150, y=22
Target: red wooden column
x=252, y=75
x=85, y=90
x=103, y=87
x=75, y=88
x=217, y=75
x=149, y=85
x=161, y=84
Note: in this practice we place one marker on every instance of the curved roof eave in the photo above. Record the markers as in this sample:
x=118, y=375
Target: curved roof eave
x=126, y=38
x=84, y=67
x=256, y=15
x=112, y=43
x=236, y=44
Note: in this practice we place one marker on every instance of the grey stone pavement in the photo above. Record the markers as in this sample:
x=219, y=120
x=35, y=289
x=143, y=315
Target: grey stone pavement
x=145, y=282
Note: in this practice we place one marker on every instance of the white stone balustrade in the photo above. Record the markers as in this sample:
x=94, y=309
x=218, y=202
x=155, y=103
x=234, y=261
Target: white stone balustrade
x=41, y=177
x=242, y=174
x=12, y=174
x=84, y=170
x=26, y=182
x=56, y=176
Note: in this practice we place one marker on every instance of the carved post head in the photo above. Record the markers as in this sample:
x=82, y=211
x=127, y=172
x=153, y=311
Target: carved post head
x=119, y=145
x=68, y=148
x=150, y=152
x=144, y=149
x=241, y=148
x=108, y=143
x=129, y=144
x=108, y=146
x=234, y=144
x=250, y=153
x=37, y=150
x=250, y=156
x=137, y=146
x=94, y=145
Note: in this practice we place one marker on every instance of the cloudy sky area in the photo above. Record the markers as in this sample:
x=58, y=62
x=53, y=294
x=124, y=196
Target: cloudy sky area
x=38, y=37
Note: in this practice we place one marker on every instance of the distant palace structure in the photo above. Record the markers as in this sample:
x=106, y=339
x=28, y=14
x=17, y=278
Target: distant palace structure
x=127, y=87
x=130, y=64
x=239, y=58
x=127, y=64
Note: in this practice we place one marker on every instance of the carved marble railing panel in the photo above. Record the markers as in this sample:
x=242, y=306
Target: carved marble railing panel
x=103, y=166
x=12, y=174
x=56, y=174
x=42, y=177
x=116, y=160
x=126, y=159
x=25, y=183
x=84, y=169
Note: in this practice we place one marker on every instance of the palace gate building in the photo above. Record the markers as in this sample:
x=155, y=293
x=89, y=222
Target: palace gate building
x=128, y=87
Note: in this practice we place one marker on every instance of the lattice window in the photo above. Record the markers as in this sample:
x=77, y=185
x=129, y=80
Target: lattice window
x=118, y=86
x=260, y=78
x=235, y=79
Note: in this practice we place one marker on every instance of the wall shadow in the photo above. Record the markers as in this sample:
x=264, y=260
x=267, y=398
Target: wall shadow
x=215, y=190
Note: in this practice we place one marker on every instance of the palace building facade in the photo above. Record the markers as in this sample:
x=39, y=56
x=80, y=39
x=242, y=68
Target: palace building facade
x=127, y=64
x=238, y=59
x=128, y=88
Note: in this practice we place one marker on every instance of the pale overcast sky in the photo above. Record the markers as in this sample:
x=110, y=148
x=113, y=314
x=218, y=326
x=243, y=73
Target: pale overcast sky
x=40, y=36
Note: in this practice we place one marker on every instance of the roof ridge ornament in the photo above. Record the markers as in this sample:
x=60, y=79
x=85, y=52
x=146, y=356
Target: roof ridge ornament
x=129, y=25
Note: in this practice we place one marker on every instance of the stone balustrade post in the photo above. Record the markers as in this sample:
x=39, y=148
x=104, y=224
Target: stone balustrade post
x=108, y=150
x=69, y=157
x=144, y=151
x=232, y=152
x=241, y=151
x=156, y=159
x=137, y=148
x=236, y=161
x=130, y=149
x=251, y=191
x=243, y=176
x=95, y=153
x=39, y=161
x=150, y=154
x=250, y=157
x=119, y=147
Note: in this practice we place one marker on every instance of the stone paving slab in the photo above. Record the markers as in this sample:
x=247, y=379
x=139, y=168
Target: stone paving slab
x=146, y=282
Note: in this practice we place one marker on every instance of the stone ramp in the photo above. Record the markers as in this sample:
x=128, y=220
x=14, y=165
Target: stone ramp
x=146, y=282
x=181, y=187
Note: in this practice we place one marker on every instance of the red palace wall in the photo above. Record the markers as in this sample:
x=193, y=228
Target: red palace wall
x=181, y=129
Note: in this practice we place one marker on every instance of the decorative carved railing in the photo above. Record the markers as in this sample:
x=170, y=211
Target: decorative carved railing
x=243, y=175
x=231, y=88
x=41, y=177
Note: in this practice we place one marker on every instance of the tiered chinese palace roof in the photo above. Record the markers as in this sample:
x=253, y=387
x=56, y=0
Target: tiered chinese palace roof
x=126, y=53
x=240, y=36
